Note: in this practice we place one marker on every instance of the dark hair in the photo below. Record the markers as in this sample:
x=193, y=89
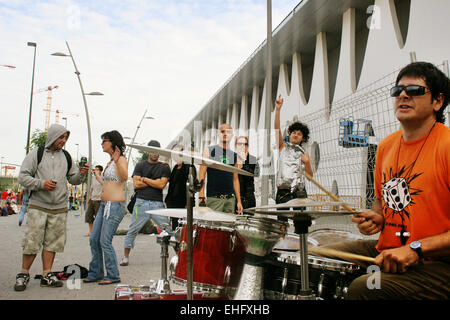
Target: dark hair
x=99, y=167
x=116, y=140
x=435, y=79
x=154, y=143
x=302, y=127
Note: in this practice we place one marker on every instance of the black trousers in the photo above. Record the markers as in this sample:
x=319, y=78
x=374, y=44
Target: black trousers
x=285, y=195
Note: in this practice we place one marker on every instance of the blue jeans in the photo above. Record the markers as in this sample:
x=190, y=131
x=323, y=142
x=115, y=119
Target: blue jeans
x=140, y=218
x=103, y=232
x=25, y=199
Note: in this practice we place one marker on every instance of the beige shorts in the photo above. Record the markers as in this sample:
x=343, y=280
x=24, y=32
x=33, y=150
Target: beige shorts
x=44, y=229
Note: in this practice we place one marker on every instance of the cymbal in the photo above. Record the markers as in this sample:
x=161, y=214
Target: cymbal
x=198, y=213
x=187, y=158
x=292, y=214
x=300, y=202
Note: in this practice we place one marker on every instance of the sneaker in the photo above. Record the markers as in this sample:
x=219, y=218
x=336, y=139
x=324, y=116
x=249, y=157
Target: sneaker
x=50, y=280
x=21, y=281
x=124, y=262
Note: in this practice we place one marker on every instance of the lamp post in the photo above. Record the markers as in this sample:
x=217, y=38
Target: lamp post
x=135, y=134
x=132, y=141
x=31, y=44
x=59, y=54
x=268, y=106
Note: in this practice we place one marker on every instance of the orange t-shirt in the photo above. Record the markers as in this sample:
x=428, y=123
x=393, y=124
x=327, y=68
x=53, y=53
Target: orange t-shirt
x=412, y=180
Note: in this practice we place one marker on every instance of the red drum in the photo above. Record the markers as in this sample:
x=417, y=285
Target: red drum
x=126, y=292
x=218, y=257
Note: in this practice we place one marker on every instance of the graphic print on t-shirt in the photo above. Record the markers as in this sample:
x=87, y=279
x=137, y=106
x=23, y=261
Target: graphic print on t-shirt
x=398, y=194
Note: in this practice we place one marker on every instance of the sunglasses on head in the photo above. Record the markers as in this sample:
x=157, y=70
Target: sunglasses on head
x=411, y=90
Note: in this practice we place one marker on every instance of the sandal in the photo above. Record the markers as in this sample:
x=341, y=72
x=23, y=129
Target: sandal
x=105, y=282
x=89, y=280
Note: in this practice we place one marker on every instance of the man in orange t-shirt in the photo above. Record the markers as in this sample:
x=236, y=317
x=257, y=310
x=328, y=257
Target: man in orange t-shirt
x=411, y=208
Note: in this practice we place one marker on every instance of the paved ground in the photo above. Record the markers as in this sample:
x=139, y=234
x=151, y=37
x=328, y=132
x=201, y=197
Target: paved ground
x=145, y=263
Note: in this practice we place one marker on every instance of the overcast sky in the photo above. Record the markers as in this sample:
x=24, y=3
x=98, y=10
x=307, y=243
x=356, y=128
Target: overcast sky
x=168, y=57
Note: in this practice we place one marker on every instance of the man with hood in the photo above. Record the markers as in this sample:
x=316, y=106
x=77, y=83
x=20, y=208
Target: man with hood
x=47, y=208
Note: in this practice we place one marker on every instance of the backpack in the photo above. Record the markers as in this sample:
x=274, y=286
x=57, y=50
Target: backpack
x=40, y=154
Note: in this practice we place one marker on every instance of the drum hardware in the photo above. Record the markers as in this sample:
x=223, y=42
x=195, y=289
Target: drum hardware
x=163, y=285
x=195, y=235
x=227, y=275
x=233, y=239
x=301, y=224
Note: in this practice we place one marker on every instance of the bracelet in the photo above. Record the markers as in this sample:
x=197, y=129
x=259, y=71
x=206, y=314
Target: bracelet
x=142, y=179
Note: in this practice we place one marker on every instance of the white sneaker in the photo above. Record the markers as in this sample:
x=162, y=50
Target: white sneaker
x=124, y=262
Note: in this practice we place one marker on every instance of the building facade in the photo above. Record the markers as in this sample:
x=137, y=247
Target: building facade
x=334, y=62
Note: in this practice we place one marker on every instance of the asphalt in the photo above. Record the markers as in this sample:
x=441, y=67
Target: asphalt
x=145, y=262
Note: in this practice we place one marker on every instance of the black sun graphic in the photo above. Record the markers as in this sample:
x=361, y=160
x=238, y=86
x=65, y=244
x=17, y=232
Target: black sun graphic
x=398, y=194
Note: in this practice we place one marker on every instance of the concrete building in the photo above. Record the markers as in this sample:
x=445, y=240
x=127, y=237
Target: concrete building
x=334, y=62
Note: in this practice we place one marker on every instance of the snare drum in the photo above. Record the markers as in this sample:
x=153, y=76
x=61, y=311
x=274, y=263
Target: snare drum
x=218, y=257
x=322, y=237
x=329, y=278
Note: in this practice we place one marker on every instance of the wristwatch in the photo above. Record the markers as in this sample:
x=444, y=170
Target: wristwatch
x=417, y=247
x=142, y=179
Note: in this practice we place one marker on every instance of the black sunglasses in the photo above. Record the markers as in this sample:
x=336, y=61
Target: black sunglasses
x=411, y=90
x=242, y=144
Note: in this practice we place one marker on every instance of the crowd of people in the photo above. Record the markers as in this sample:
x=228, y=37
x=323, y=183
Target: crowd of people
x=10, y=202
x=413, y=248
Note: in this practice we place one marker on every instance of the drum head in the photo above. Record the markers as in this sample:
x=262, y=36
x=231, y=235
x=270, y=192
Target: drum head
x=322, y=237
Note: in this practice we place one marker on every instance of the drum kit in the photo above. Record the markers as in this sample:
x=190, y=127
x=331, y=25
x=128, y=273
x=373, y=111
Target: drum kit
x=249, y=256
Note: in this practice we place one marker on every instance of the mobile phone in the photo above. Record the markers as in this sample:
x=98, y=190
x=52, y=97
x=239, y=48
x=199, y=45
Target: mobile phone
x=83, y=162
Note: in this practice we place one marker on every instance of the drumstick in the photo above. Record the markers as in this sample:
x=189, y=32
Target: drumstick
x=341, y=254
x=334, y=197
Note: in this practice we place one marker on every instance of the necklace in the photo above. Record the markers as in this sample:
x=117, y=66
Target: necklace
x=420, y=150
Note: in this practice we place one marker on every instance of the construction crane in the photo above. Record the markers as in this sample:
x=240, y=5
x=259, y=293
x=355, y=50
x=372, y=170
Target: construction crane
x=61, y=112
x=48, y=108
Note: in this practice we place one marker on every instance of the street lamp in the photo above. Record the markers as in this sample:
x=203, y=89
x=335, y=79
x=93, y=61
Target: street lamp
x=135, y=134
x=96, y=93
x=31, y=44
x=132, y=141
x=268, y=107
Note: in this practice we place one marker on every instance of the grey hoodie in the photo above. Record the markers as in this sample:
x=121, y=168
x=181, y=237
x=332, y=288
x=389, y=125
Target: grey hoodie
x=52, y=166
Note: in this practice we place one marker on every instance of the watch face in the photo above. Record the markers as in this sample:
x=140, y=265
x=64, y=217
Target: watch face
x=415, y=244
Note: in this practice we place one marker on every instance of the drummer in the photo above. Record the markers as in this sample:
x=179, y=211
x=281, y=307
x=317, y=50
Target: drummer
x=413, y=248
x=292, y=159
x=223, y=190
